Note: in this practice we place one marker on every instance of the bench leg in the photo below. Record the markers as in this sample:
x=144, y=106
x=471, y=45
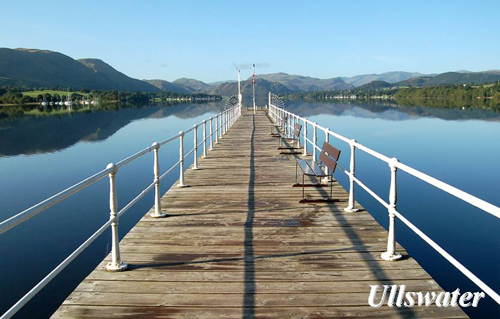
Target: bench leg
x=296, y=166
x=331, y=188
x=303, y=188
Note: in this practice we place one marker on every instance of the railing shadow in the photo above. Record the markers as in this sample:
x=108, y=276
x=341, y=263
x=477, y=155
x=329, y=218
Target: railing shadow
x=374, y=265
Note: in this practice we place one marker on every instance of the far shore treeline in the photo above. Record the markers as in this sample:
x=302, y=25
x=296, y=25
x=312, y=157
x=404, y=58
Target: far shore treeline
x=17, y=95
x=458, y=96
x=16, y=101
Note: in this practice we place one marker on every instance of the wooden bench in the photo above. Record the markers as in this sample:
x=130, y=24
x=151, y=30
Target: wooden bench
x=328, y=159
x=294, y=138
x=276, y=126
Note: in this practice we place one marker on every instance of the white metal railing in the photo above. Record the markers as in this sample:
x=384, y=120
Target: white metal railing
x=223, y=121
x=287, y=119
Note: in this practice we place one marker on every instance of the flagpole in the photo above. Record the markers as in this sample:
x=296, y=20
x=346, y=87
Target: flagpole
x=253, y=88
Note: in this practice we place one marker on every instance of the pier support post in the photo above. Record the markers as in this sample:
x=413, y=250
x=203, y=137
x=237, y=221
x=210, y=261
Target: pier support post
x=195, y=152
x=181, y=160
x=391, y=254
x=350, y=208
x=157, y=213
x=116, y=263
x=204, y=138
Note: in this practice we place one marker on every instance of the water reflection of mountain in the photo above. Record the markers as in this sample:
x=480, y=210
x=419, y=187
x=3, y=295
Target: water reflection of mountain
x=388, y=111
x=31, y=135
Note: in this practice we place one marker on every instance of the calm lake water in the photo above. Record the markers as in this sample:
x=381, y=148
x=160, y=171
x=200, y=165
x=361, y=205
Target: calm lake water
x=40, y=156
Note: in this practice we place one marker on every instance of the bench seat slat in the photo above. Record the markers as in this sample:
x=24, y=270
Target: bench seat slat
x=310, y=168
x=288, y=136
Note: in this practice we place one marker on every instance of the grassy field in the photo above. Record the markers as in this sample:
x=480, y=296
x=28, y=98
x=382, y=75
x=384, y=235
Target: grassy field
x=51, y=92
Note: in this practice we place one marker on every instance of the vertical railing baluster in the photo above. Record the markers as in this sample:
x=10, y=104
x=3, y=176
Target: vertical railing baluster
x=116, y=263
x=226, y=120
x=304, y=121
x=315, y=140
x=391, y=254
x=195, y=140
x=211, y=133
x=220, y=125
x=156, y=170
x=350, y=208
x=222, y=118
x=288, y=121
x=181, y=160
x=327, y=139
x=217, y=129
x=269, y=102
x=204, y=138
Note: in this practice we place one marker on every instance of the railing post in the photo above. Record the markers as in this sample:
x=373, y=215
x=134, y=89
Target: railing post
x=288, y=121
x=222, y=121
x=350, y=208
x=204, y=138
x=156, y=169
x=327, y=139
x=181, y=160
x=211, y=133
x=217, y=129
x=315, y=140
x=269, y=102
x=116, y=263
x=305, y=137
x=220, y=125
x=195, y=159
x=226, y=121
x=391, y=254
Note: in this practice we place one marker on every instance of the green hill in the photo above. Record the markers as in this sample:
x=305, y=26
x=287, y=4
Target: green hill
x=168, y=86
x=463, y=78
x=299, y=83
x=115, y=79
x=453, y=78
x=375, y=85
x=193, y=85
x=42, y=68
x=390, y=77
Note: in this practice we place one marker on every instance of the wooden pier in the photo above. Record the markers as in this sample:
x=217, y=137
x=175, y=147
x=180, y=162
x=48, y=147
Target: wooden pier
x=237, y=243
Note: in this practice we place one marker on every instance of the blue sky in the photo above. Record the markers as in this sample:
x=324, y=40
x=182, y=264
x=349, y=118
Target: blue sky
x=207, y=39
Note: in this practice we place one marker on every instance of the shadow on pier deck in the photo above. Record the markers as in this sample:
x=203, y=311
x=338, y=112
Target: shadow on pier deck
x=237, y=243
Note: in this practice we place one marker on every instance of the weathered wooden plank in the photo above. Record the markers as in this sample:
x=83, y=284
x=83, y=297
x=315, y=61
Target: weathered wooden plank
x=138, y=287
x=89, y=311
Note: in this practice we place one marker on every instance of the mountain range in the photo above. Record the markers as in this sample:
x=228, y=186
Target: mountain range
x=34, y=68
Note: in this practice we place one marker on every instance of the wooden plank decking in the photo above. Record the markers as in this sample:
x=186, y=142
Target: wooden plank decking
x=237, y=243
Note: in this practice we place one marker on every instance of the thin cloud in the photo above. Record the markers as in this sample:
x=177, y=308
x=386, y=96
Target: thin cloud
x=244, y=66
x=163, y=65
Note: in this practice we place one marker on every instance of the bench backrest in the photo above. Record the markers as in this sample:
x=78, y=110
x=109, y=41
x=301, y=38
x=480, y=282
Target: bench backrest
x=329, y=156
x=297, y=129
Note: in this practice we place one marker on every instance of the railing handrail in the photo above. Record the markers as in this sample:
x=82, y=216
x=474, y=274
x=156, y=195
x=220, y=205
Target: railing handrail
x=227, y=119
x=394, y=165
x=471, y=199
